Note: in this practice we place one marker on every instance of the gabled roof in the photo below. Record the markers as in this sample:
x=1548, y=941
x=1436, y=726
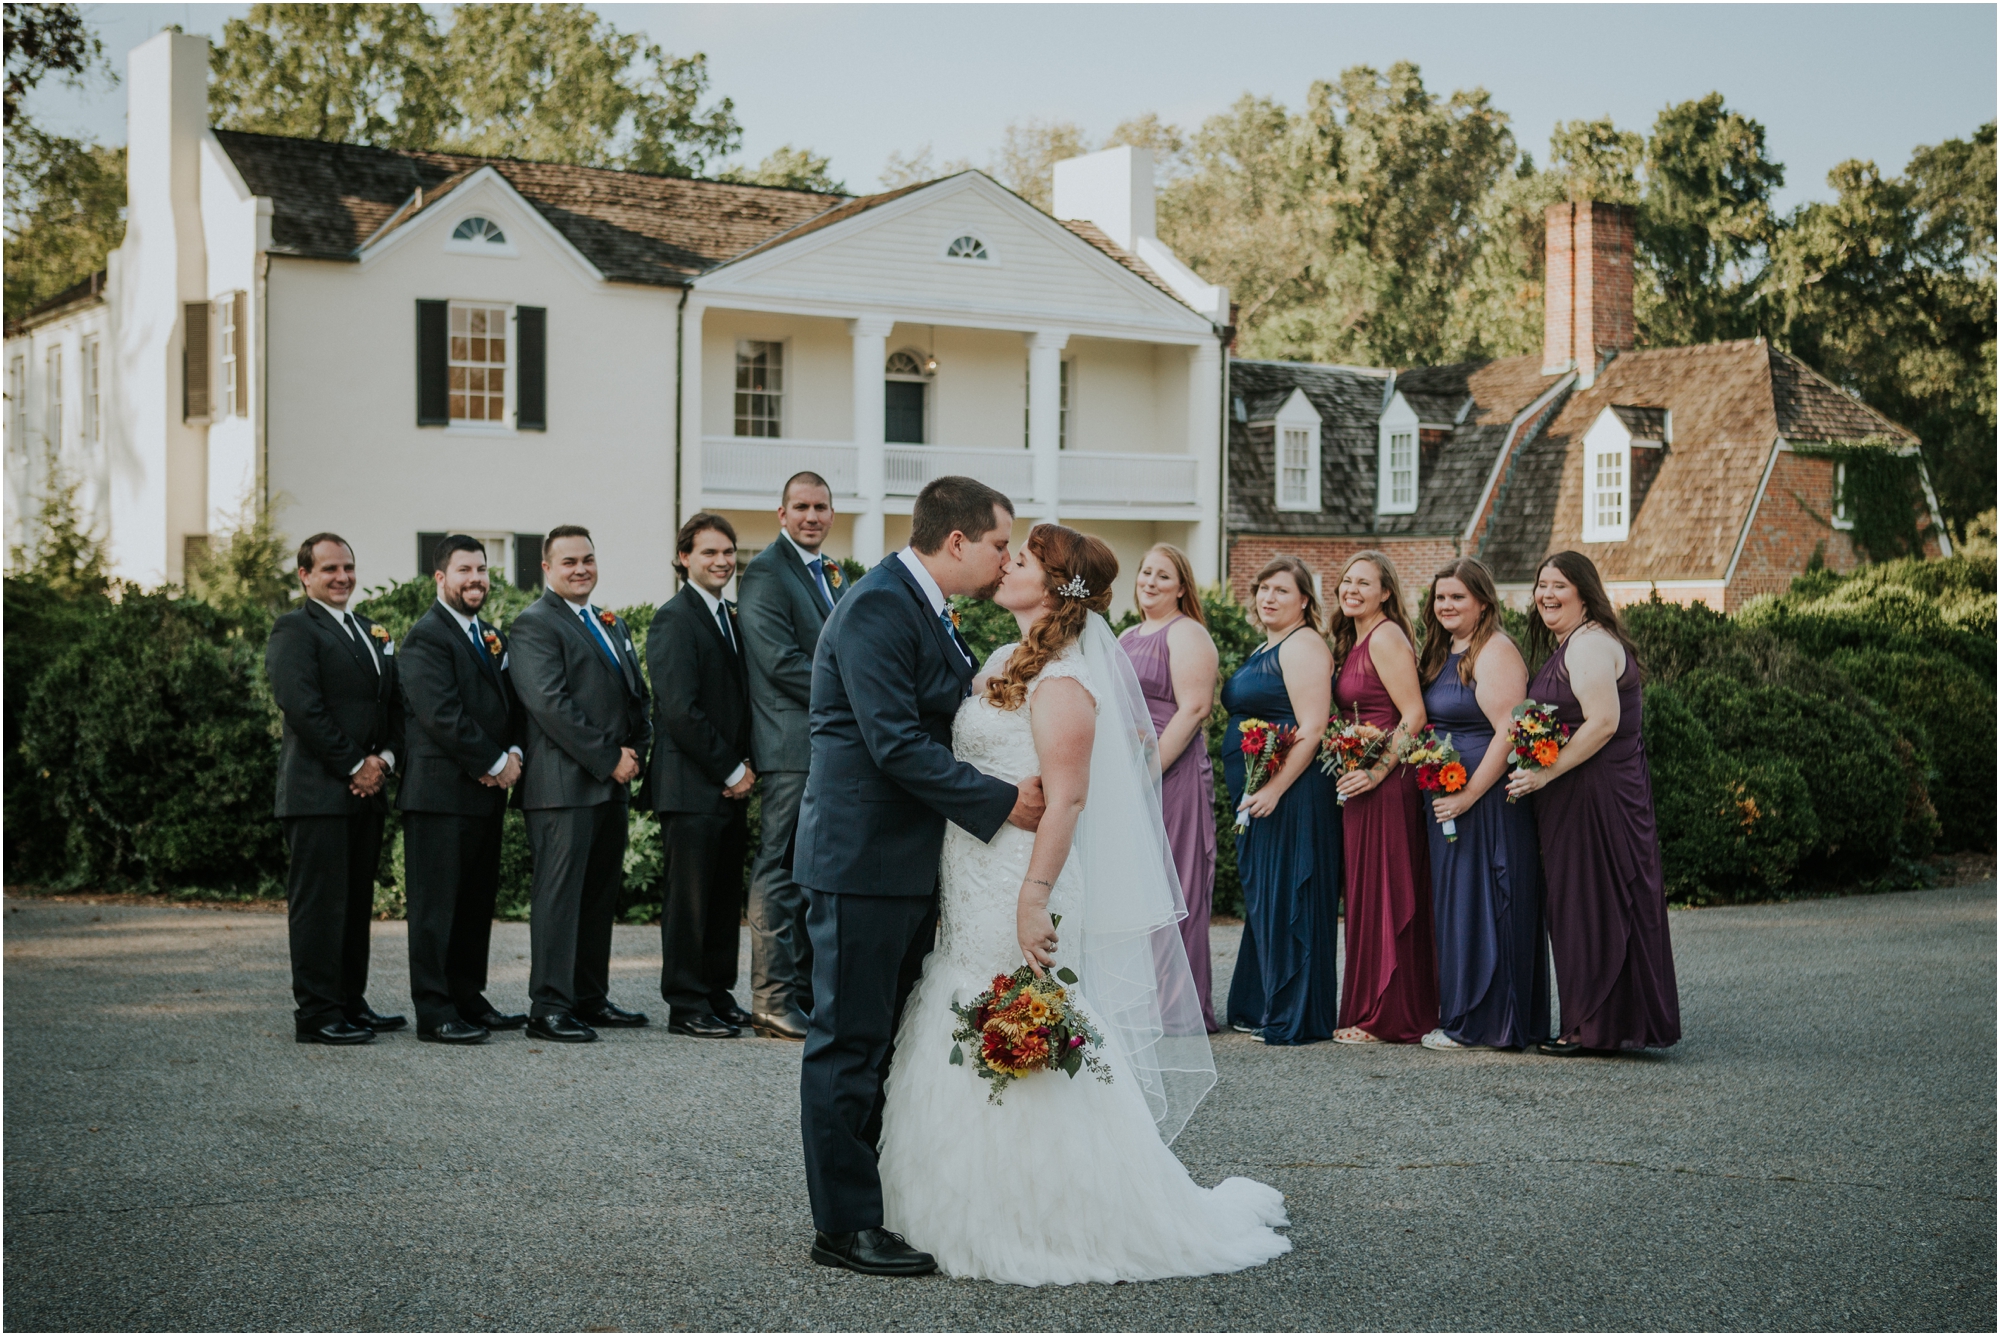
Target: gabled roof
x=1642, y=424
x=327, y=199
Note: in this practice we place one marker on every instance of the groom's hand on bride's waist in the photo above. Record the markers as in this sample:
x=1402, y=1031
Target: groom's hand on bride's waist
x=1028, y=804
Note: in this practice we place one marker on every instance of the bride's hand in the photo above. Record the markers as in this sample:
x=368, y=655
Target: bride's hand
x=1036, y=930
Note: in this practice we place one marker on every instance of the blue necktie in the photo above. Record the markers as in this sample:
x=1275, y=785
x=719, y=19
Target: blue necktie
x=951, y=630
x=819, y=578
x=601, y=641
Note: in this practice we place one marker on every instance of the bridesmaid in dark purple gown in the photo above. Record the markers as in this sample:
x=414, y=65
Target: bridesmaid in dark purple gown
x=1486, y=884
x=1177, y=664
x=1390, y=994
x=1607, y=903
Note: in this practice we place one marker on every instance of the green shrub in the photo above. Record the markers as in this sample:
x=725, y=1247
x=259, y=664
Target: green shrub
x=1952, y=710
x=40, y=620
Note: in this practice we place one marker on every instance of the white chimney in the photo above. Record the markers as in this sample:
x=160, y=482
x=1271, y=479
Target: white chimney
x=1114, y=189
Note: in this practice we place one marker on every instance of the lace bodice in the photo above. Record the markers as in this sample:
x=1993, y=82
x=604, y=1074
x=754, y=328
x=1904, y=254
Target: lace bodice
x=980, y=882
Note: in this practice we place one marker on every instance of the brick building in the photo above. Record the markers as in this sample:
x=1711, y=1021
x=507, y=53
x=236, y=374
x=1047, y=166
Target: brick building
x=1687, y=470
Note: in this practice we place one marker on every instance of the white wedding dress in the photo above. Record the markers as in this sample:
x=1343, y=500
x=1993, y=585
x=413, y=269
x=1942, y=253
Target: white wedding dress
x=1067, y=1179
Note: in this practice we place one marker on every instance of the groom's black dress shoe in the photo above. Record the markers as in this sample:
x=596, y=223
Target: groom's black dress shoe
x=560, y=1028
x=368, y=1020
x=616, y=1017
x=788, y=1026
x=336, y=1032
x=489, y=1019
x=729, y=1013
x=702, y=1027
x=452, y=1032
x=873, y=1252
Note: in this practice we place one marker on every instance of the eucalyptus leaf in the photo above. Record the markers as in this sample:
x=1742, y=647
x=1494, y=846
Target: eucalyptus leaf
x=957, y=1056
x=1066, y=974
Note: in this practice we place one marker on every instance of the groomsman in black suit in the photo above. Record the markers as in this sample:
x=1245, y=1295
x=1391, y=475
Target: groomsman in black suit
x=465, y=754
x=333, y=674
x=578, y=679
x=786, y=593
x=699, y=784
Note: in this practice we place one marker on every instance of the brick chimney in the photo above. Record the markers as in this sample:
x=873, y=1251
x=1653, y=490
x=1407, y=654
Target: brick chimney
x=1587, y=289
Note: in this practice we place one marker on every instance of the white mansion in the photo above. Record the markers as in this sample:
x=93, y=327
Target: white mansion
x=393, y=344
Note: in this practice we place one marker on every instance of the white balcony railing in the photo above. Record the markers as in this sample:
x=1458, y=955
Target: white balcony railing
x=1118, y=479
x=760, y=465
x=909, y=467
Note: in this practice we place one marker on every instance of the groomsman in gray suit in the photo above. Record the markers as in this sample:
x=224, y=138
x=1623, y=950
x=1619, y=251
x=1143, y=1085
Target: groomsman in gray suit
x=784, y=598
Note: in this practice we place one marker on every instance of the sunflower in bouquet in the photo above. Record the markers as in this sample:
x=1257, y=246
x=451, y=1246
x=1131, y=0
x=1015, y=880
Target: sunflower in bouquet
x=1022, y=1024
x=1438, y=768
x=1352, y=745
x=1537, y=737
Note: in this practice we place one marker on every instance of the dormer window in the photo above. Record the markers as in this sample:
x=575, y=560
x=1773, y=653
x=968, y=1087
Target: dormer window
x=479, y=229
x=1295, y=445
x=1607, y=478
x=968, y=247
x=1397, y=459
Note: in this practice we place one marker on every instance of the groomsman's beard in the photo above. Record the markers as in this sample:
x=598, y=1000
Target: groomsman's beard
x=463, y=606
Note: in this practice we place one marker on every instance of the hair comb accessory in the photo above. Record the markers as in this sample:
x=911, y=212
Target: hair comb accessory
x=1076, y=588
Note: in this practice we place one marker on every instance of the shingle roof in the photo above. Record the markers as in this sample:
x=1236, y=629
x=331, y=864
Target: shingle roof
x=1730, y=402
x=1644, y=424
x=330, y=198
x=1097, y=237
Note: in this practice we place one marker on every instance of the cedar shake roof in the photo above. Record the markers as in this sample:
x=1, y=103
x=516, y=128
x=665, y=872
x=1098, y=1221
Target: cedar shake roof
x=1097, y=237
x=328, y=199
x=1350, y=400
x=1644, y=424
x=1730, y=403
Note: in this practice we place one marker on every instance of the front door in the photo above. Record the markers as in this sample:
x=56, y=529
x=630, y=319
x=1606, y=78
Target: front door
x=903, y=412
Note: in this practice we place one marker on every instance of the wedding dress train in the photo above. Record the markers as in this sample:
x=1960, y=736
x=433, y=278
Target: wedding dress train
x=1067, y=1179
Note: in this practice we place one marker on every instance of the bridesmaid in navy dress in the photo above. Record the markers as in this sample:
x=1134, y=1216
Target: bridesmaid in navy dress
x=1486, y=886
x=1607, y=900
x=1285, y=986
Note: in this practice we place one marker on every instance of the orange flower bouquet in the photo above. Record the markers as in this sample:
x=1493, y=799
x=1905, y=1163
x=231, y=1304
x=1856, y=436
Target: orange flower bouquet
x=1265, y=747
x=1438, y=768
x=1022, y=1024
x=1352, y=746
x=1537, y=738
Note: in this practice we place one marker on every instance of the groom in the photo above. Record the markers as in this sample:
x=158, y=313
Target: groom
x=888, y=677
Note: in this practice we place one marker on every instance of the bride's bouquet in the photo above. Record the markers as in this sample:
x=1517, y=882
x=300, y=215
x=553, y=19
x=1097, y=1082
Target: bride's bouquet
x=1022, y=1024
x=1265, y=747
x=1438, y=768
x=1352, y=746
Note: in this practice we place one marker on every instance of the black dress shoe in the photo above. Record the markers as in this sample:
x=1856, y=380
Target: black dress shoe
x=336, y=1032
x=561, y=1028
x=872, y=1252
x=789, y=1026
x=489, y=1019
x=616, y=1017
x=702, y=1027
x=730, y=1014
x=1561, y=1048
x=368, y=1020
x=453, y=1032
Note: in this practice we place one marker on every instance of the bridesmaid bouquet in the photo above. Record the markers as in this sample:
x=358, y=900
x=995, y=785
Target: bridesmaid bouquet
x=1265, y=747
x=1537, y=737
x=1438, y=768
x=1022, y=1024
x=1352, y=746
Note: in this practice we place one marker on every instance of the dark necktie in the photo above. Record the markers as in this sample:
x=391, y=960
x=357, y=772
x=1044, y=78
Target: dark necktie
x=722, y=619
x=819, y=579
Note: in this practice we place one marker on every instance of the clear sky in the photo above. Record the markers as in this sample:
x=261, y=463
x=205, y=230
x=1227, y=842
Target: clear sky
x=858, y=82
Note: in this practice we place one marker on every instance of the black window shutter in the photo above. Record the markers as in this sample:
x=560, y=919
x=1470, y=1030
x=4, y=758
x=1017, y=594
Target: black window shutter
x=433, y=368
x=427, y=550
x=194, y=363
x=527, y=561
x=531, y=394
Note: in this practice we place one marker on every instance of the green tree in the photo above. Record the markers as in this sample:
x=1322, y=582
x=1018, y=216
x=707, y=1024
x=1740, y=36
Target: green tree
x=65, y=554
x=1029, y=152
x=792, y=168
x=65, y=201
x=558, y=83
x=247, y=570
x=47, y=39
x=354, y=74
x=1889, y=289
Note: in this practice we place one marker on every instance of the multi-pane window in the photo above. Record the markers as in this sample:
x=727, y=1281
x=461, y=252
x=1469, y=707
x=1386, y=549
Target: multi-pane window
x=1401, y=468
x=478, y=363
x=231, y=394
x=967, y=248
x=52, y=419
x=93, y=398
x=1295, y=467
x=1607, y=491
x=760, y=388
x=1062, y=407
x=1843, y=518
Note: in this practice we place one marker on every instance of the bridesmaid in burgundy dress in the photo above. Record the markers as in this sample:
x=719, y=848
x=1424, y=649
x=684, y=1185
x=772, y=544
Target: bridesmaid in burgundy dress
x=1607, y=902
x=1177, y=666
x=1391, y=994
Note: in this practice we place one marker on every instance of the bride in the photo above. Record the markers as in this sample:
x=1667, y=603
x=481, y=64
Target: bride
x=1064, y=1179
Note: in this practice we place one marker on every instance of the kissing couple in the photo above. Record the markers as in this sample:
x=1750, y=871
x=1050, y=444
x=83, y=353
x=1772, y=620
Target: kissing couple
x=954, y=813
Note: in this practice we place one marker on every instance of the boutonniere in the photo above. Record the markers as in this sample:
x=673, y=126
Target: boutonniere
x=492, y=639
x=608, y=617
x=381, y=634
x=834, y=579
x=954, y=619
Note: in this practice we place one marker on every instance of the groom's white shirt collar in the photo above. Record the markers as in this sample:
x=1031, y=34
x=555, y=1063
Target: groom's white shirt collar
x=925, y=580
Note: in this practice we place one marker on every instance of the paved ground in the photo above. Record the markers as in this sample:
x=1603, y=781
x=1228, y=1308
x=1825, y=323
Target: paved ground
x=1819, y=1153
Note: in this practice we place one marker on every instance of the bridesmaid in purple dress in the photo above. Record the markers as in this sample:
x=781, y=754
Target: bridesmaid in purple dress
x=1177, y=666
x=1607, y=903
x=1391, y=993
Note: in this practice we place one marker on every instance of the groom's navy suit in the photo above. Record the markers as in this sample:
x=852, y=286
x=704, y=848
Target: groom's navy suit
x=888, y=678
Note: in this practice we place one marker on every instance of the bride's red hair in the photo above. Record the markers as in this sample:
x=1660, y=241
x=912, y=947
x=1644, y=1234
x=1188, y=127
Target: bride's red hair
x=1065, y=555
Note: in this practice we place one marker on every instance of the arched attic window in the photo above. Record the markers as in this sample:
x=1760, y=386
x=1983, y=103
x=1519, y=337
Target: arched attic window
x=479, y=230
x=908, y=362
x=968, y=247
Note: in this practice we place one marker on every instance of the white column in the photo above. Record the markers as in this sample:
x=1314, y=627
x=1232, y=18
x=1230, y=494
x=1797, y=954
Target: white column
x=870, y=335
x=691, y=421
x=1045, y=416
x=1205, y=444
